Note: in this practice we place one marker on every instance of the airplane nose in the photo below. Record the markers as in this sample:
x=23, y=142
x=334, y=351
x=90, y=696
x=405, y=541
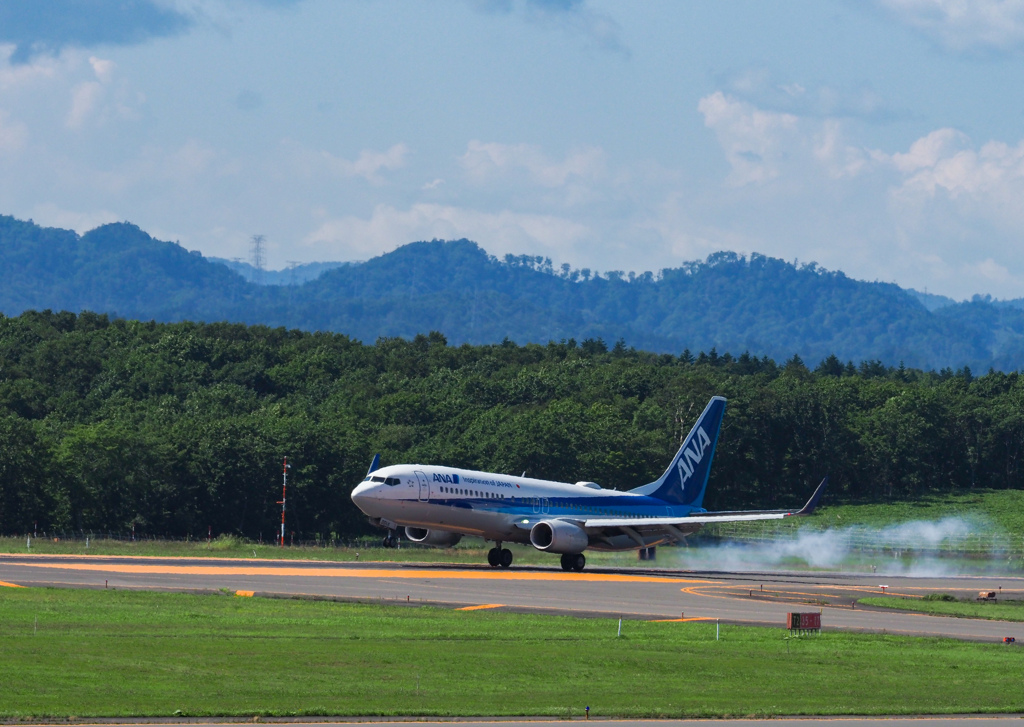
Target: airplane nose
x=361, y=495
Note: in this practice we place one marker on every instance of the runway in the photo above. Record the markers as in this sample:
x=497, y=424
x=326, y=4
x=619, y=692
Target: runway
x=760, y=599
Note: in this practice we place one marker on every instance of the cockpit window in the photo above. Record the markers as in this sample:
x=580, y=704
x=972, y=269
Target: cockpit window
x=376, y=479
x=366, y=479
x=392, y=481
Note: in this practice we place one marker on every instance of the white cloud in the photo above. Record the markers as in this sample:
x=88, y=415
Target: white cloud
x=84, y=99
x=103, y=69
x=945, y=211
x=755, y=141
x=989, y=268
x=674, y=223
x=189, y=161
x=13, y=135
x=87, y=97
x=936, y=164
x=839, y=158
x=943, y=170
x=14, y=75
x=368, y=165
x=928, y=150
x=178, y=171
x=388, y=227
x=764, y=146
x=483, y=161
x=964, y=24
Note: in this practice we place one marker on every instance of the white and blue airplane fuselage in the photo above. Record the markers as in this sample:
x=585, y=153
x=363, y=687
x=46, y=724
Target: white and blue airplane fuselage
x=438, y=505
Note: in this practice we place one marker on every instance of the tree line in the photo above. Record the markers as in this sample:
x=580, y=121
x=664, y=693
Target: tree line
x=177, y=427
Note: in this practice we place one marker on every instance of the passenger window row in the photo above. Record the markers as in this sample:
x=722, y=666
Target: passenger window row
x=527, y=500
x=471, y=493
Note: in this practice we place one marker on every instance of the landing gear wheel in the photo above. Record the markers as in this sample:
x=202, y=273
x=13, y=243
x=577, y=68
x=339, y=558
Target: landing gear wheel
x=579, y=562
x=390, y=541
x=386, y=542
x=567, y=561
x=493, y=557
x=505, y=558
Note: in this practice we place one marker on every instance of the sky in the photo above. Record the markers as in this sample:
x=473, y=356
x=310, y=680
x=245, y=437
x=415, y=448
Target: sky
x=883, y=138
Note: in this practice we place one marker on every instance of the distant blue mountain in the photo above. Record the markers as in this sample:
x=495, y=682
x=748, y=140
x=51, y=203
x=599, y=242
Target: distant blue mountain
x=930, y=300
x=294, y=275
x=728, y=302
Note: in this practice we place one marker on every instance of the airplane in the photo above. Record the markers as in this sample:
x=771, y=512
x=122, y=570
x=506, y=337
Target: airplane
x=439, y=505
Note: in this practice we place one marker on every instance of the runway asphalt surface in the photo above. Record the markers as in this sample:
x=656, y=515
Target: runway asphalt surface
x=760, y=599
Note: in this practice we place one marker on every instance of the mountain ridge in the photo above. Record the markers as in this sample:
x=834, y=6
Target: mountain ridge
x=728, y=302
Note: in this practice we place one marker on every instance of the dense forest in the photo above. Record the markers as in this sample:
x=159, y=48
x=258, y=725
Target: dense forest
x=175, y=427
x=731, y=302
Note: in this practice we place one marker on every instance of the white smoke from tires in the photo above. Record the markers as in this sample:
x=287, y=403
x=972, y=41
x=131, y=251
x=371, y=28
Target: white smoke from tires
x=924, y=548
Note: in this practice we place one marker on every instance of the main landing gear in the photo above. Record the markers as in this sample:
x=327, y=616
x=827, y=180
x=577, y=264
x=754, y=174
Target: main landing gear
x=499, y=557
x=391, y=540
x=574, y=561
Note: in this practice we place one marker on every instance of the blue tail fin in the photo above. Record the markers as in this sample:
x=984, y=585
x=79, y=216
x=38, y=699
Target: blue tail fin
x=686, y=478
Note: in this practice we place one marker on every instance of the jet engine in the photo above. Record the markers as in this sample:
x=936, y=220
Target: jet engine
x=440, y=538
x=558, y=536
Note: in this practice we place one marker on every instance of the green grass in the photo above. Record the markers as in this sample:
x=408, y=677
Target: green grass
x=124, y=653
x=998, y=611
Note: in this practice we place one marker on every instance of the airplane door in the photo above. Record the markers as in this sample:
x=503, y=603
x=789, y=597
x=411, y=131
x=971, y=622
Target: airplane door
x=424, y=486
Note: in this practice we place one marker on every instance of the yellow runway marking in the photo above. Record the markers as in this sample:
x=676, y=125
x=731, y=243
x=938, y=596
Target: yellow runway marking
x=359, y=573
x=5, y=584
x=477, y=608
x=249, y=594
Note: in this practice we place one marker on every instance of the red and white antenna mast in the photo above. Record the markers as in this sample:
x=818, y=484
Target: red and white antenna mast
x=284, y=492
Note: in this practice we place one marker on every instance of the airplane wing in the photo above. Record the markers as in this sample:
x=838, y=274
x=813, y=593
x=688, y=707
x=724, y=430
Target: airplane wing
x=708, y=517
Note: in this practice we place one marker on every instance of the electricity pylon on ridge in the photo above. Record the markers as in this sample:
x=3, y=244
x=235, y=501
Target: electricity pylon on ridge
x=256, y=257
x=292, y=264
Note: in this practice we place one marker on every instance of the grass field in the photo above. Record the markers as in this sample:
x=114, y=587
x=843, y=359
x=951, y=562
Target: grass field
x=998, y=611
x=122, y=653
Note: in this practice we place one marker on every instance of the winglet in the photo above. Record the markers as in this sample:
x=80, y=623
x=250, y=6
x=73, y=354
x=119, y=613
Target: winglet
x=812, y=504
x=375, y=464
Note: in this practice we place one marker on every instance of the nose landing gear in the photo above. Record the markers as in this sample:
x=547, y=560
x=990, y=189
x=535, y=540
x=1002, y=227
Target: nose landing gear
x=574, y=561
x=391, y=540
x=499, y=556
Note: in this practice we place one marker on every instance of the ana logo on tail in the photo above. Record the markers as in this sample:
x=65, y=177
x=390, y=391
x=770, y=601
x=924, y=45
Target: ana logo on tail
x=686, y=477
x=692, y=455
